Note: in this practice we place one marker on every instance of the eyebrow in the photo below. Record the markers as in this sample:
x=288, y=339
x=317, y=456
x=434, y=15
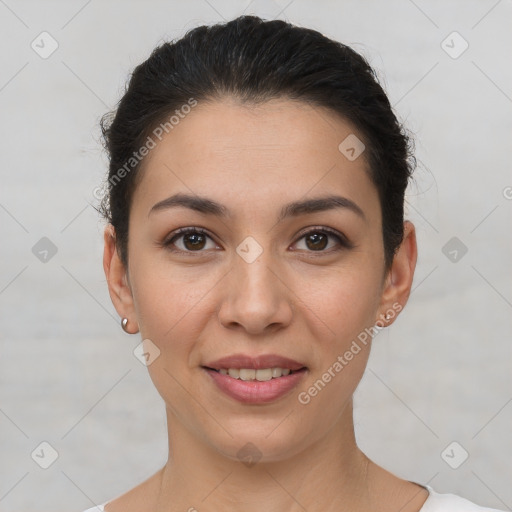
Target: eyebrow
x=210, y=207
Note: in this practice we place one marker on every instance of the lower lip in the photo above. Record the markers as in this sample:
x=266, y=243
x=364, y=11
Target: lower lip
x=254, y=391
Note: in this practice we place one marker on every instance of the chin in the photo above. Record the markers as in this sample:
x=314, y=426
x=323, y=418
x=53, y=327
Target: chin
x=259, y=443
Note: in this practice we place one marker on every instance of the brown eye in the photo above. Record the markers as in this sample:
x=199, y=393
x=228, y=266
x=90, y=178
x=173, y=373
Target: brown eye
x=194, y=241
x=317, y=240
x=189, y=240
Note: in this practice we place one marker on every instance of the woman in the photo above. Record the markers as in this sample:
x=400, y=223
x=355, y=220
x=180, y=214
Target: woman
x=256, y=241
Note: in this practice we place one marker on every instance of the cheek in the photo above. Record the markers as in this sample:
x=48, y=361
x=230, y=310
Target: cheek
x=170, y=304
x=346, y=301
x=166, y=296
x=347, y=306
x=349, y=312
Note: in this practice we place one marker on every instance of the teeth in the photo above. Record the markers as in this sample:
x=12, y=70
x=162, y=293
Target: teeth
x=262, y=374
x=234, y=373
x=247, y=374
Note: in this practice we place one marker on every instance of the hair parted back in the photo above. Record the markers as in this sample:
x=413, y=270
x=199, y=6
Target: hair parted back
x=255, y=60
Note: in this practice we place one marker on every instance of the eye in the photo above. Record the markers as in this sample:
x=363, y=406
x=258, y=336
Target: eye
x=189, y=240
x=317, y=240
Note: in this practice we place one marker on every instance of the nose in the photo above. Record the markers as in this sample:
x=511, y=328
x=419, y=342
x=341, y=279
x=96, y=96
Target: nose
x=257, y=298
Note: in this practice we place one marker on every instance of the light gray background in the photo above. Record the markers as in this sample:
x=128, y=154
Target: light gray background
x=441, y=373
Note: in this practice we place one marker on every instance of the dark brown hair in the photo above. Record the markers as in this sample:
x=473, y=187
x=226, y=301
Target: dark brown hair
x=255, y=60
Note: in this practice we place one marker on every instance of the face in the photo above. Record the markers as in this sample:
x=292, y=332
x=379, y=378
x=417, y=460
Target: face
x=283, y=256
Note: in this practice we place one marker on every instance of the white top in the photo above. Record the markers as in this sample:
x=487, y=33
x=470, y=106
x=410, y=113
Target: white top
x=435, y=502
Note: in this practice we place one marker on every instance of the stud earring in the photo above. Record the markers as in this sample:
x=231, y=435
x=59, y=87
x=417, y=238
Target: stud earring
x=124, y=325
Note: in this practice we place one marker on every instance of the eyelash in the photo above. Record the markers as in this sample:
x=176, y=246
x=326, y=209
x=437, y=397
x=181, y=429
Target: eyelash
x=341, y=239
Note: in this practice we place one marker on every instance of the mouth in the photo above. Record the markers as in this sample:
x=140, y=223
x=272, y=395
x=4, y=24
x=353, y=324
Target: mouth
x=256, y=379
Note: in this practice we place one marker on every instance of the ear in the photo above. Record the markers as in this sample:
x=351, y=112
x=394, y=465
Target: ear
x=118, y=282
x=398, y=282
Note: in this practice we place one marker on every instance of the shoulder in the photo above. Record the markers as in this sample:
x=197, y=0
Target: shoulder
x=140, y=498
x=437, y=502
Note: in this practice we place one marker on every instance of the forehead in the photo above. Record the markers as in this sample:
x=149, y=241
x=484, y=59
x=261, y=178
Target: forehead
x=256, y=155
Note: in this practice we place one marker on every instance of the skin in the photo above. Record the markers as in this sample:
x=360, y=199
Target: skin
x=293, y=300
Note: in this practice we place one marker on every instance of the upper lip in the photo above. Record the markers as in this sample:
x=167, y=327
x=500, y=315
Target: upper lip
x=254, y=362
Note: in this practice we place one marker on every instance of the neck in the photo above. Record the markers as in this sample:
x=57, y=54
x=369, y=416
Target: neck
x=328, y=474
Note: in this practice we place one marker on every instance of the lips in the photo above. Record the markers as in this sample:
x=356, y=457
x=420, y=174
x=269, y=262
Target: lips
x=254, y=392
x=289, y=373
x=255, y=362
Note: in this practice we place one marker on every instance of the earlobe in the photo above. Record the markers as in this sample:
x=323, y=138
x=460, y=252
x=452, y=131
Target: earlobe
x=398, y=283
x=117, y=280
